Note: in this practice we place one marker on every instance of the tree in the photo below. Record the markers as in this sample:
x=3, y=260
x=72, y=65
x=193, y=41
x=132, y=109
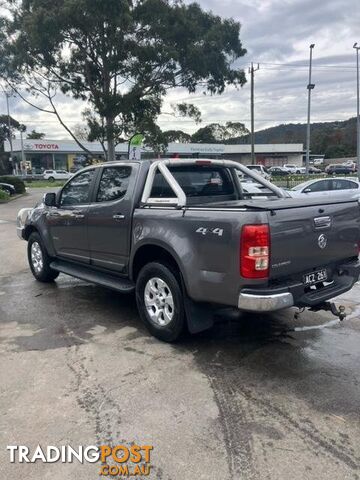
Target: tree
x=5, y=164
x=4, y=129
x=217, y=133
x=34, y=135
x=177, y=136
x=81, y=131
x=120, y=57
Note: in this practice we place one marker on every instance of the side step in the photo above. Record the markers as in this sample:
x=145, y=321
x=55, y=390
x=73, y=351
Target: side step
x=119, y=284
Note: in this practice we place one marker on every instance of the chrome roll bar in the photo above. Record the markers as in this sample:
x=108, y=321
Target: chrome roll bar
x=179, y=198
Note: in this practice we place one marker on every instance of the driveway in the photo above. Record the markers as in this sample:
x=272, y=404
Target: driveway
x=256, y=397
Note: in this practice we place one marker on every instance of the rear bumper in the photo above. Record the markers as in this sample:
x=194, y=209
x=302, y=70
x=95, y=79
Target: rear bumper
x=296, y=294
x=268, y=302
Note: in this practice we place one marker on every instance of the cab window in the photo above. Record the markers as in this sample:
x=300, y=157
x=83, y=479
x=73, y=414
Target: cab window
x=77, y=191
x=113, y=184
x=195, y=182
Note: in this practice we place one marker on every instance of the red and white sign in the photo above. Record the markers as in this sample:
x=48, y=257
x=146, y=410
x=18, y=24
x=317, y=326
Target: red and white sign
x=46, y=146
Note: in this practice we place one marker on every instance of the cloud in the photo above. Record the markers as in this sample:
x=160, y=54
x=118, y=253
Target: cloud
x=277, y=34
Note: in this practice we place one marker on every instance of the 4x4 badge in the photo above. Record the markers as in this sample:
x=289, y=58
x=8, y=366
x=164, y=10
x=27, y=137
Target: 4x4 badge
x=322, y=241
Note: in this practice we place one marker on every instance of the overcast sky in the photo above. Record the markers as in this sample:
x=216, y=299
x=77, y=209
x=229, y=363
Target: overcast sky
x=277, y=35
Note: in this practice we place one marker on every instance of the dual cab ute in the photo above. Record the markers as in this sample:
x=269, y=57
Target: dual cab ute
x=185, y=236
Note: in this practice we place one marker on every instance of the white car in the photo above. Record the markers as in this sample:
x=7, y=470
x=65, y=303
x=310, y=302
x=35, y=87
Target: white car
x=53, y=175
x=260, y=169
x=326, y=187
x=295, y=169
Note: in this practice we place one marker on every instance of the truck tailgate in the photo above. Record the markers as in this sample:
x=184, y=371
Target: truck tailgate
x=304, y=237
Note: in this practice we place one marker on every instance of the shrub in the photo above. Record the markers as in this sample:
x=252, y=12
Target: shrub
x=17, y=182
x=3, y=195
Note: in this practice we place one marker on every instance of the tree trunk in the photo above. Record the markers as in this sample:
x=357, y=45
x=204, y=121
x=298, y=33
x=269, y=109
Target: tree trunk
x=110, y=140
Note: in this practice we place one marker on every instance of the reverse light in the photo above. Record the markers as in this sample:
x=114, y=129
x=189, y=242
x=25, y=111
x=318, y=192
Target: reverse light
x=255, y=251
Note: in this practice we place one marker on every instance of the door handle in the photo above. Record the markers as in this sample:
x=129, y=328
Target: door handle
x=118, y=216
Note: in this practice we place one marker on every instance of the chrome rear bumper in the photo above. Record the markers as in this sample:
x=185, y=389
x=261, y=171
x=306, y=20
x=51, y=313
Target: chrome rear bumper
x=265, y=303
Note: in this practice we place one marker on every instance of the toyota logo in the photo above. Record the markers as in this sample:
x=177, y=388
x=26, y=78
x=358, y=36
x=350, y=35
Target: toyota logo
x=322, y=241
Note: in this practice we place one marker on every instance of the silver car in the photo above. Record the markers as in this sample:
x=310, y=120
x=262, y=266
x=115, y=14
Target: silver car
x=326, y=187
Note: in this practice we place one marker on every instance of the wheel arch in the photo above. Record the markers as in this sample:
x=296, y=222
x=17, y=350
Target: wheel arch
x=29, y=229
x=152, y=252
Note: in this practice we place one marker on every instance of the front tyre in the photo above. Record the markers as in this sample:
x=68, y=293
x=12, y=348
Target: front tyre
x=160, y=302
x=39, y=260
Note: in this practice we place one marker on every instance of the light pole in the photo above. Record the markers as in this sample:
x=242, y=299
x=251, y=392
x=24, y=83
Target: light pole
x=23, y=163
x=309, y=87
x=357, y=48
x=7, y=95
x=252, y=70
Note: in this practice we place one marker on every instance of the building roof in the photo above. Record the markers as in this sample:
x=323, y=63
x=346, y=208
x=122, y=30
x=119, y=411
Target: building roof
x=61, y=146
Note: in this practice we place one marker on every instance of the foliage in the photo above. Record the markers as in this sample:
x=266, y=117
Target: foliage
x=4, y=195
x=17, y=182
x=121, y=57
x=177, y=136
x=43, y=183
x=217, y=133
x=4, y=129
x=34, y=135
x=334, y=139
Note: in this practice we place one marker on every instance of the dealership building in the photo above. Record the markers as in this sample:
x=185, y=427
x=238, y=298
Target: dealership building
x=38, y=155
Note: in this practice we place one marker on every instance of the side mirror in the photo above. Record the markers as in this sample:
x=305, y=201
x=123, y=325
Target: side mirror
x=49, y=199
x=307, y=190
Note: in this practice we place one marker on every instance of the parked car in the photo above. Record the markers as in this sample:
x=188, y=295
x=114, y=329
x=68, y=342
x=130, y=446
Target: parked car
x=318, y=161
x=181, y=234
x=53, y=175
x=8, y=188
x=278, y=172
x=314, y=170
x=351, y=164
x=326, y=186
x=337, y=169
x=291, y=168
x=260, y=169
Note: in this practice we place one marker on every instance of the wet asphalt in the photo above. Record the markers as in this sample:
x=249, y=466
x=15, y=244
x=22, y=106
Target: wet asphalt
x=255, y=397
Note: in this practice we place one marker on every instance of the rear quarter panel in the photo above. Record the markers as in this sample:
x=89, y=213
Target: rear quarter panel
x=205, y=244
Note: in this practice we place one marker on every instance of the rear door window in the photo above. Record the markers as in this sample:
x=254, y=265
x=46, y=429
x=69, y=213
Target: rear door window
x=340, y=184
x=195, y=181
x=113, y=184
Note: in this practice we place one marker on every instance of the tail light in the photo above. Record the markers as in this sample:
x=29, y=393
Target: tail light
x=255, y=251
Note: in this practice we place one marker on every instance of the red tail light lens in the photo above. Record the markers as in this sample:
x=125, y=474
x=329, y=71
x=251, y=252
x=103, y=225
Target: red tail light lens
x=255, y=251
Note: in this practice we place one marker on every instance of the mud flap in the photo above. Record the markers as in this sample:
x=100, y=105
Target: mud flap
x=199, y=316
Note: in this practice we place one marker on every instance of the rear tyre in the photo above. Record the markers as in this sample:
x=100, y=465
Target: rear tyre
x=39, y=260
x=160, y=302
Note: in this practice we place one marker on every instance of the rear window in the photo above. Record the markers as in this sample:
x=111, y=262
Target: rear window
x=195, y=181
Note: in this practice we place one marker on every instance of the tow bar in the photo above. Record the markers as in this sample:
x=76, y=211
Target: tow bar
x=331, y=307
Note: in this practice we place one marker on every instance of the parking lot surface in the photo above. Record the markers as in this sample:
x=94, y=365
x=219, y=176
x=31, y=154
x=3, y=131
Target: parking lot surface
x=256, y=397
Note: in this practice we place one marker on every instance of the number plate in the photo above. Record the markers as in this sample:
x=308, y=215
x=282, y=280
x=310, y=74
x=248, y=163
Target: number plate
x=315, y=277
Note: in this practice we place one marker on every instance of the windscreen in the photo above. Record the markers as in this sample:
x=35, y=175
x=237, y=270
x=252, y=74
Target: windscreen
x=196, y=181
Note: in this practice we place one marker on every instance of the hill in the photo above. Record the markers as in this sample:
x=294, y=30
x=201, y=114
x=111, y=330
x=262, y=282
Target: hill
x=334, y=139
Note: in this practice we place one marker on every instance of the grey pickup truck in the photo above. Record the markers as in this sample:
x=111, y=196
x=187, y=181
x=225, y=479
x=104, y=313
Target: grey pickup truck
x=186, y=236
